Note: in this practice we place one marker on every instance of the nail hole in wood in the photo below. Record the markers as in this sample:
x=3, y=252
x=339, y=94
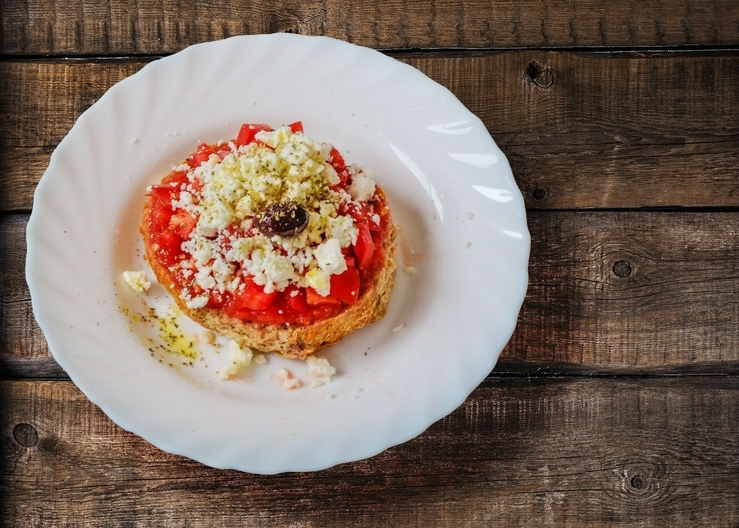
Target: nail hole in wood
x=540, y=75
x=539, y=193
x=639, y=482
x=622, y=269
x=25, y=435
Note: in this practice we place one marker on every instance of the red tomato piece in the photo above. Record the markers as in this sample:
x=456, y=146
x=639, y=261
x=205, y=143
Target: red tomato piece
x=176, y=178
x=161, y=214
x=337, y=161
x=296, y=300
x=296, y=127
x=201, y=155
x=252, y=297
x=345, y=286
x=362, y=213
x=169, y=246
x=365, y=246
x=313, y=298
x=248, y=131
x=183, y=223
x=274, y=314
x=321, y=312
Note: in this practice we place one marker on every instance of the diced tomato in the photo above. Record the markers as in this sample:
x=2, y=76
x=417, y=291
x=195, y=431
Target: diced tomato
x=169, y=246
x=175, y=177
x=337, y=162
x=165, y=193
x=365, y=246
x=361, y=212
x=345, y=286
x=183, y=223
x=252, y=297
x=319, y=313
x=295, y=299
x=201, y=155
x=223, y=150
x=161, y=214
x=216, y=299
x=313, y=298
x=275, y=314
x=248, y=131
x=296, y=127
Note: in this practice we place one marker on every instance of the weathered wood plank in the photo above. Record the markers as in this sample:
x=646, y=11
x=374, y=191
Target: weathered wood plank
x=516, y=453
x=149, y=26
x=580, y=131
x=626, y=292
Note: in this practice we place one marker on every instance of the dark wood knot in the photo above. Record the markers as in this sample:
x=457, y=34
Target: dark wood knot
x=639, y=482
x=539, y=193
x=25, y=435
x=541, y=76
x=622, y=269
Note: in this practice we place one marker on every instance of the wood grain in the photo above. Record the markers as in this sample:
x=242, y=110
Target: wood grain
x=598, y=452
x=610, y=292
x=579, y=130
x=149, y=26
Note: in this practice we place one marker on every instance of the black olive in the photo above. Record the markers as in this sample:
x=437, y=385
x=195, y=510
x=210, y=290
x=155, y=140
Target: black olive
x=282, y=218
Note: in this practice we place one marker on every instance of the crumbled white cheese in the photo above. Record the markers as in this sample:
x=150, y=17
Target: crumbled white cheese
x=288, y=381
x=224, y=195
x=137, y=280
x=320, y=369
x=362, y=188
x=329, y=257
x=238, y=358
x=260, y=359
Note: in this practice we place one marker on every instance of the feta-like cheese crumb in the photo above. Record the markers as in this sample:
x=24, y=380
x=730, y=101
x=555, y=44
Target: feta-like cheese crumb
x=260, y=359
x=320, y=369
x=137, y=280
x=362, y=188
x=288, y=381
x=238, y=358
x=329, y=257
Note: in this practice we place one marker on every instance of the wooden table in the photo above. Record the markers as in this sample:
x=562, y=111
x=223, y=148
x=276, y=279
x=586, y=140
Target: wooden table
x=617, y=400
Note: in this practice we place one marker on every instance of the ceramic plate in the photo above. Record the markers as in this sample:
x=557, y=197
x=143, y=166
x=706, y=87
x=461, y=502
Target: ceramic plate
x=463, y=255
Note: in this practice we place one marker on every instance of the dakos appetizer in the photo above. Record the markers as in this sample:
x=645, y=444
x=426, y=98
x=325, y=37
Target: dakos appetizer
x=271, y=239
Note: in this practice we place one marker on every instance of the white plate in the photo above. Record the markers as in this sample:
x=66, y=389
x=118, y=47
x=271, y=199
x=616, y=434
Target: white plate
x=451, y=191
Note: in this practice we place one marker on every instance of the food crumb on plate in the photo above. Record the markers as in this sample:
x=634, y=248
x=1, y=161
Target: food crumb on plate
x=289, y=382
x=399, y=328
x=207, y=337
x=238, y=359
x=320, y=369
x=137, y=280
